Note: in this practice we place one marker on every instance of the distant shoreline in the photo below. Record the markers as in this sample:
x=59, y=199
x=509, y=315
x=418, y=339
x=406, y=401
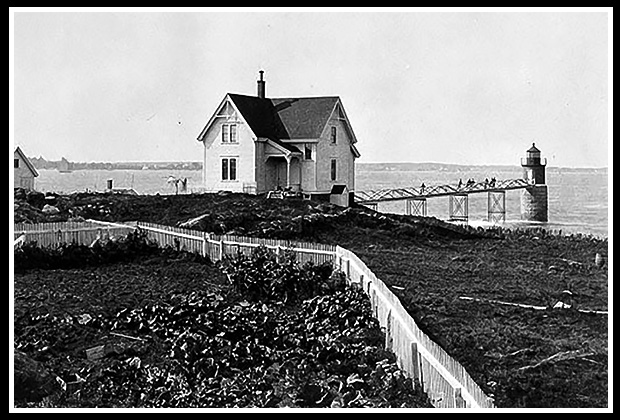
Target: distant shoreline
x=41, y=163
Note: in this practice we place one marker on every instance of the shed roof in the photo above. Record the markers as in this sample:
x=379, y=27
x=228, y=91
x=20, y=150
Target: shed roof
x=339, y=189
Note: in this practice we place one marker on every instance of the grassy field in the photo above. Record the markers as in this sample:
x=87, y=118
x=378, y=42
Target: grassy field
x=502, y=346
x=522, y=356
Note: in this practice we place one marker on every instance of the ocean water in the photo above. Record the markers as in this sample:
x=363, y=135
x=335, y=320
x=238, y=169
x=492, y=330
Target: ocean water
x=578, y=198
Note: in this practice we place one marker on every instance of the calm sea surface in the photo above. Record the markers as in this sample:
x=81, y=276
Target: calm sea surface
x=578, y=200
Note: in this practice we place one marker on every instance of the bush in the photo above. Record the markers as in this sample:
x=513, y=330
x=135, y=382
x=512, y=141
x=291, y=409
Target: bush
x=205, y=351
x=263, y=276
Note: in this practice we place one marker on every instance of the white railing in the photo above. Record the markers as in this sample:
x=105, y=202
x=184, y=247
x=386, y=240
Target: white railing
x=444, y=380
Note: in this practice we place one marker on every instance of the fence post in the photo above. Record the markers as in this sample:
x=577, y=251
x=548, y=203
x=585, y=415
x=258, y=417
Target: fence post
x=459, y=401
x=374, y=301
x=221, y=249
x=419, y=369
x=415, y=363
x=388, y=331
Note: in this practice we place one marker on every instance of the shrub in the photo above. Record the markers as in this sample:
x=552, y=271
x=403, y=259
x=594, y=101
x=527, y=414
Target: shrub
x=264, y=276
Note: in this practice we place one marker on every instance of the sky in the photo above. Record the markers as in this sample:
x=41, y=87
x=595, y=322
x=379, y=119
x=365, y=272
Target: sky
x=473, y=87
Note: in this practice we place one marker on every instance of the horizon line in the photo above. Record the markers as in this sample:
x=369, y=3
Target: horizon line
x=151, y=162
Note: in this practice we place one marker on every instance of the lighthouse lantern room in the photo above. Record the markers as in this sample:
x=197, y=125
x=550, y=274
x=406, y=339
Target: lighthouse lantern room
x=534, y=199
x=533, y=166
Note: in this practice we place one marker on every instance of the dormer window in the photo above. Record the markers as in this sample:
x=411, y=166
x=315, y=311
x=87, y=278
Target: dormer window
x=229, y=133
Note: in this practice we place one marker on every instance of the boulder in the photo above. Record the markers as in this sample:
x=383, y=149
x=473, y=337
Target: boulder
x=49, y=210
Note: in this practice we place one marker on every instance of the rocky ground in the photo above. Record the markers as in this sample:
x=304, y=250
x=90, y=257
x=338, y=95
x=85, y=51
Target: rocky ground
x=151, y=327
x=450, y=278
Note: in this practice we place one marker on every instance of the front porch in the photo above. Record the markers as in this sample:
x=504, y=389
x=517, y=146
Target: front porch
x=282, y=166
x=283, y=173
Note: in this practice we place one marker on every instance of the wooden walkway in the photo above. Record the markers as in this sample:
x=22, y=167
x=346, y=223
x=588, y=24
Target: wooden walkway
x=458, y=194
x=393, y=194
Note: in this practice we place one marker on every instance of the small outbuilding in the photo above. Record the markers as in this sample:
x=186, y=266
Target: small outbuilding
x=339, y=195
x=24, y=172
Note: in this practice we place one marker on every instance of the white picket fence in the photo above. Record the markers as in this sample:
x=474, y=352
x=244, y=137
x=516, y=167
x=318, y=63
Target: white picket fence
x=216, y=246
x=84, y=233
x=444, y=380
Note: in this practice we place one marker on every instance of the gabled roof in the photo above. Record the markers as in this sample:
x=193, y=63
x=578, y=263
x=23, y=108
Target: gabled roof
x=285, y=118
x=26, y=161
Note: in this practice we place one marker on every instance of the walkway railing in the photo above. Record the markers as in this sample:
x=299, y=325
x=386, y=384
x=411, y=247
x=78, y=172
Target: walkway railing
x=394, y=194
x=445, y=380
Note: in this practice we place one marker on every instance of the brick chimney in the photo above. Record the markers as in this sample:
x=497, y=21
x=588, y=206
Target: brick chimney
x=261, y=85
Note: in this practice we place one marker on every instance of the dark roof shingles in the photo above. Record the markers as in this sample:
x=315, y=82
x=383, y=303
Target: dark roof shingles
x=286, y=118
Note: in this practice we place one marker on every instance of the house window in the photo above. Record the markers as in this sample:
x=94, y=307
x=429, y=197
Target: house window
x=229, y=169
x=15, y=163
x=333, y=135
x=233, y=169
x=333, y=170
x=308, y=152
x=229, y=133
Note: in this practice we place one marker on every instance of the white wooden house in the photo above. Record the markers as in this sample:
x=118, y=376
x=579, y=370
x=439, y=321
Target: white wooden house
x=24, y=172
x=255, y=144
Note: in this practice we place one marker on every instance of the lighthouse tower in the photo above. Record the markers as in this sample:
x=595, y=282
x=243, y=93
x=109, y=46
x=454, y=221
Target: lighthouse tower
x=535, y=197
